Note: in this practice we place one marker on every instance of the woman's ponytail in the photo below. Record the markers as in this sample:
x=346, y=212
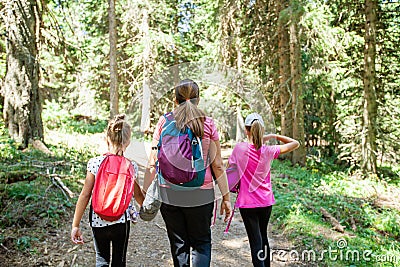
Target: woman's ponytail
x=187, y=113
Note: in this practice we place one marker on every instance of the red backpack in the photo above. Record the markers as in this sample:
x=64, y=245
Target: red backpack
x=113, y=187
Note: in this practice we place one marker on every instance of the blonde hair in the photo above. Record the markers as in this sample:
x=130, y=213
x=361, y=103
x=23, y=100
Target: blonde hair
x=119, y=132
x=256, y=133
x=187, y=113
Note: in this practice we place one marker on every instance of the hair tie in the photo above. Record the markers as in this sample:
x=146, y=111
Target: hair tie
x=188, y=99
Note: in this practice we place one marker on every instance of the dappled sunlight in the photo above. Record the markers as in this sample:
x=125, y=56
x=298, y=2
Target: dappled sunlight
x=350, y=187
x=96, y=142
x=233, y=250
x=314, y=229
x=381, y=193
x=235, y=243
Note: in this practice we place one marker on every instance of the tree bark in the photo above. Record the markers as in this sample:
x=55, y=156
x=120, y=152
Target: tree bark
x=114, y=94
x=22, y=105
x=240, y=128
x=299, y=155
x=284, y=75
x=146, y=100
x=368, y=143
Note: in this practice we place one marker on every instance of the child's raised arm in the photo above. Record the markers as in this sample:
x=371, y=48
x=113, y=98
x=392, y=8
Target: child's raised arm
x=289, y=143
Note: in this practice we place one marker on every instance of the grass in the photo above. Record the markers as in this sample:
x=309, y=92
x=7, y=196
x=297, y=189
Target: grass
x=301, y=192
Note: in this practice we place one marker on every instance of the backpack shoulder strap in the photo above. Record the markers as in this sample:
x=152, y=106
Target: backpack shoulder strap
x=126, y=164
x=103, y=161
x=169, y=116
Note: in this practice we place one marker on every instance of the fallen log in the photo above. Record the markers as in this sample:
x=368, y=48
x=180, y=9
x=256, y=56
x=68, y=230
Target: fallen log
x=10, y=177
x=64, y=187
x=335, y=223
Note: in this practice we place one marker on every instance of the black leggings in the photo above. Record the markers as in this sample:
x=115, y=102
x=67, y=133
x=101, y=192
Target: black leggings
x=118, y=235
x=189, y=227
x=256, y=222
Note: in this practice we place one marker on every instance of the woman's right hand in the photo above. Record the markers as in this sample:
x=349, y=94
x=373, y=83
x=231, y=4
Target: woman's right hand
x=76, y=235
x=226, y=208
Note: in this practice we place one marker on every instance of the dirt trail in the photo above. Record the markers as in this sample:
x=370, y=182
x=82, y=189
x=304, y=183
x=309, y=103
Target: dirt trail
x=148, y=243
x=148, y=246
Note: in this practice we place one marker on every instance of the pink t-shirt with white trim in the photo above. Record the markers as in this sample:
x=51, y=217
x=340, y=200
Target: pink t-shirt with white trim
x=254, y=168
x=210, y=134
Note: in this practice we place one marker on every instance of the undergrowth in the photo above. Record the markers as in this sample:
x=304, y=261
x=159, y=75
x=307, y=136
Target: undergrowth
x=372, y=231
x=39, y=203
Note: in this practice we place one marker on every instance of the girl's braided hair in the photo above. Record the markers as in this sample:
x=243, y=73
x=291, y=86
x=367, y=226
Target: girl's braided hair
x=119, y=132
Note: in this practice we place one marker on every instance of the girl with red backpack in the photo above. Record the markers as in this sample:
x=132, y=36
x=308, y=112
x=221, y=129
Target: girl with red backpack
x=252, y=164
x=187, y=206
x=111, y=182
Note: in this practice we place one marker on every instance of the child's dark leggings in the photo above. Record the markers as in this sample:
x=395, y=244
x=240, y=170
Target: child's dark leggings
x=256, y=223
x=118, y=235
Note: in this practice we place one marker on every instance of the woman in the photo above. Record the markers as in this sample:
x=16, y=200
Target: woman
x=252, y=162
x=187, y=213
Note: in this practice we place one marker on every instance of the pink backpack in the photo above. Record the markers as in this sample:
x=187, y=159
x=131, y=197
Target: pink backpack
x=233, y=179
x=113, y=187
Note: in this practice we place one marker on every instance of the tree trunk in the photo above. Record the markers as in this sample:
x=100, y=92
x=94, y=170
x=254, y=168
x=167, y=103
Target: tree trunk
x=284, y=76
x=175, y=32
x=368, y=143
x=22, y=105
x=299, y=155
x=240, y=128
x=114, y=95
x=145, y=119
x=228, y=24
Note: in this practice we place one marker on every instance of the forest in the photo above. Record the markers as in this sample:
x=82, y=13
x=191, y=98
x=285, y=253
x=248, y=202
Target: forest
x=324, y=72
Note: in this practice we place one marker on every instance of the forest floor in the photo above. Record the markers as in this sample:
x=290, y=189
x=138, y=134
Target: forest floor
x=36, y=218
x=148, y=246
x=148, y=243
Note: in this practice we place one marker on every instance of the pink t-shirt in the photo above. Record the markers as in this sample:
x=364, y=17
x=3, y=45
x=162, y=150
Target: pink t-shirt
x=210, y=134
x=254, y=168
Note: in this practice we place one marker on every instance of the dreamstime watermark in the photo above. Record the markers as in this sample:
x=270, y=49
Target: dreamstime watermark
x=339, y=253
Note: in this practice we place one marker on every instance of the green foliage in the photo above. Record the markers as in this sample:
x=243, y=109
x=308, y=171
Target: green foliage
x=300, y=193
x=24, y=242
x=33, y=204
x=10, y=153
x=75, y=73
x=38, y=204
x=55, y=117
